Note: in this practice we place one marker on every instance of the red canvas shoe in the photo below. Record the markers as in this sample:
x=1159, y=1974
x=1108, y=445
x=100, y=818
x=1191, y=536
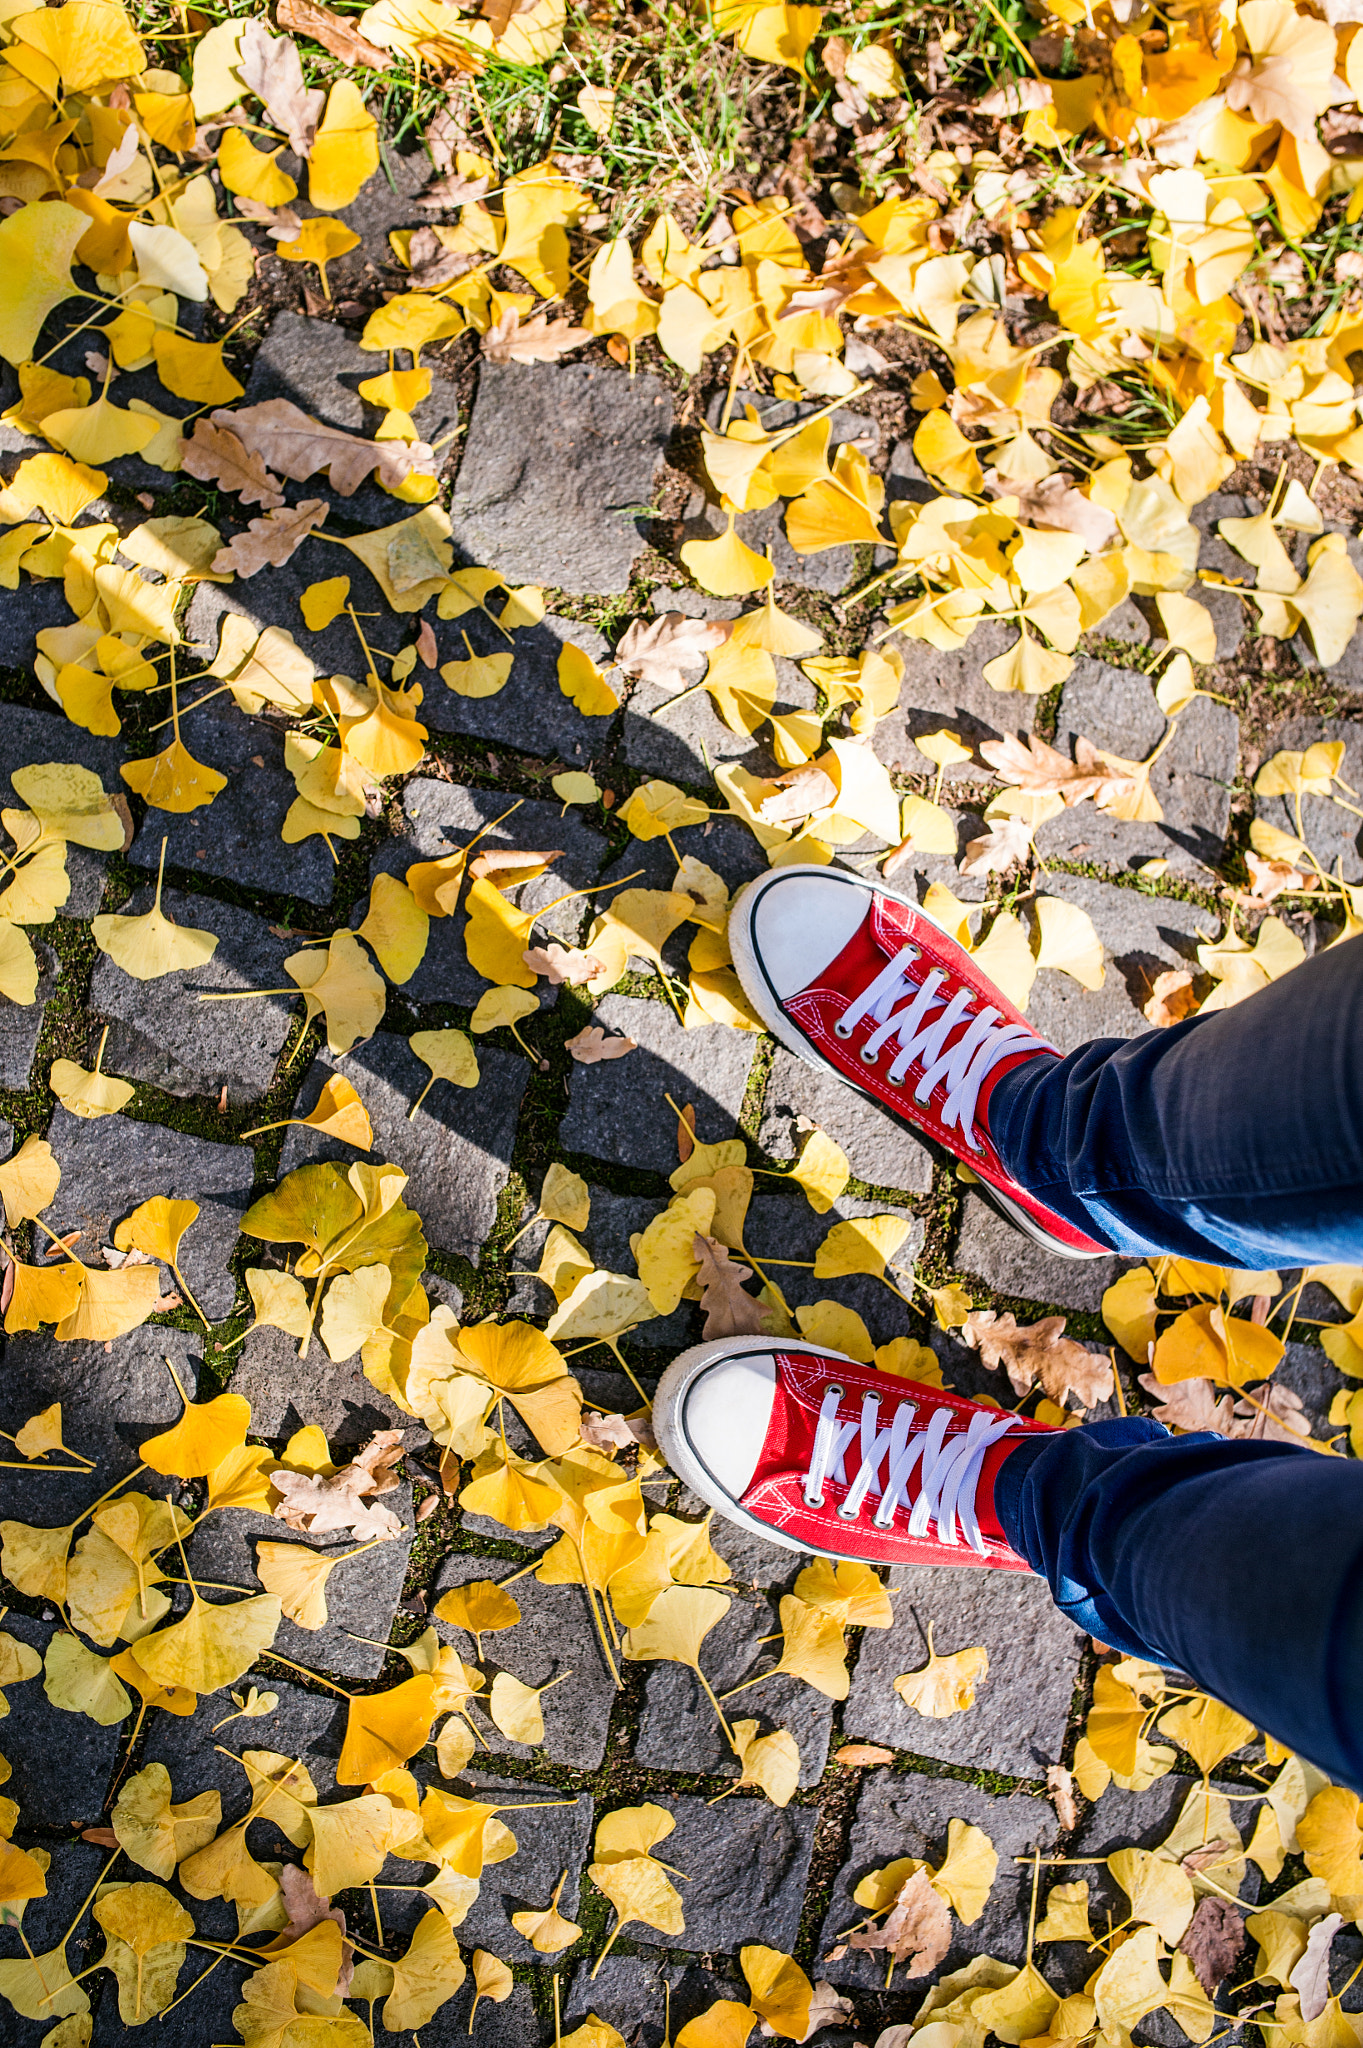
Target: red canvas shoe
x=854, y=978
x=815, y=1452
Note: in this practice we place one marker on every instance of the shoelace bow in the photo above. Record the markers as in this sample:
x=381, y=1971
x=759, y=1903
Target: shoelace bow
x=961, y=1068
x=950, y=1470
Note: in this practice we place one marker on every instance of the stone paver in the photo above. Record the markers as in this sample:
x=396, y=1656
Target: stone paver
x=617, y=1110
x=679, y=1730
x=362, y=1594
x=61, y=1764
x=286, y=1392
x=908, y=1816
x=555, y=456
x=947, y=690
x=746, y=1864
x=1331, y=833
x=783, y=1226
x=238, y=838
x=111, y=1402
x=1231, y=615
x=878, y=1149
x=309, y=1726
x=159, y=1031
x=679, y=743
x=1116, y=709
x=1017, y=1724
x=271, y=599
x=1142, y=937
x=27, y=736
x=530, y=712
x=615, y=1219
x=456, y=1151
x=111, y=1165
x=440, y=817
x=21, y=1024
x=1009, y=1263
x=555, y=1639
x=633, y=1993
x=73, y=1873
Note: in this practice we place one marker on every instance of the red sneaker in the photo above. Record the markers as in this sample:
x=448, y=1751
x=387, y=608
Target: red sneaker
x=854, y=978
x=815, y=1452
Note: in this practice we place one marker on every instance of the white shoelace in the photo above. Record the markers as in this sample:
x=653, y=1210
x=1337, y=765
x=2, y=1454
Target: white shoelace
x=948, y=1480
x=961, y=1068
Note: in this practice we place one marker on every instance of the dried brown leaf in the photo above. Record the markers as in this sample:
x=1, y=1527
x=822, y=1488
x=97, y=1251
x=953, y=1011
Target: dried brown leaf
x=333, y=31
x=280, y=433
x=451, y=191
x=428, y=654
x=800, y=793
x=1005, y=845
x=917, y=1930
x=862, y=1753
x=1060, y=1785
x=273, y=69
x=215, y=455
x=592, y=1044
x=617, y=1432
x=1213, y=1941
x=1171, y=998
x=269, y=543
x=658, y=650
x=540, y=340
x=1190, y=1404
x=1039, y=767
x=507, y=866
x=341, y=1502
x=729, y=1312
x=1038, y=1351
x=563, y=963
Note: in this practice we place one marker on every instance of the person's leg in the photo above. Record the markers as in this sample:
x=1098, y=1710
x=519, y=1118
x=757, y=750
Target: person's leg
x=1239, y=1563
x=1237, y=1136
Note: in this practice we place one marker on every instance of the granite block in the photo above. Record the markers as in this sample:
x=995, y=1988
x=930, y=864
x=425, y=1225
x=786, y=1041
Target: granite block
x=616, y=1109
x=879, y=1149
x=1143, y=936
x=1011, y=1264
x=28, y=736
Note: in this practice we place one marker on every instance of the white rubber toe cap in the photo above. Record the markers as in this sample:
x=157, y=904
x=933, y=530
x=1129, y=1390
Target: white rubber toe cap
x=711, y=1413
x=799, y=919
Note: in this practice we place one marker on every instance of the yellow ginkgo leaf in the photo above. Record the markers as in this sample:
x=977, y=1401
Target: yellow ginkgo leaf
x=780, y=1992
x=345, y=152
x=432, y=1970
x=583, y=683
x=384, y=1729
x=491, y=1979
x=515, y=1707
x=89, y=1093
x=396, y=927
x=726, y=567
x=862, y=1244
x=297, y=1576
x=251, y=172
x=450, y=1057
x=318, y=240
x=37, y=245
x=200, y=1440
x=771, y=1762
x=153, y=1833
x=497, y=935
x=852, y=1593
x=945, y=1685
x=280, y=1301
x=822, y=1170
x=547, y=1932
x=834, y=1327
x=813, y=1647
x=1209, y=1731
x=29, y=1181
x=212, y=1646
x=338, y=1112
x=657, y=808
x=341, y=983
x=967, y=1873
x=152, y=944
x=480, y=1606
x=1160, y=1892
x=1066, y=940
x=322, y=602
x=499, y=1006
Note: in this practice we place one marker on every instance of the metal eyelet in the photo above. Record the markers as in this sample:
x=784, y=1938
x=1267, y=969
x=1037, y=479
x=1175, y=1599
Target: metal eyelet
x=869, y=1057
x=839, y=1391
x=847, y=1514
x=841, y=1030
x=813, y=1500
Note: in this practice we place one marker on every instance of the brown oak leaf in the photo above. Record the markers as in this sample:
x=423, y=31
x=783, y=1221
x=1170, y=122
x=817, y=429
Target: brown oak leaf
x=1190, y=1404
x=1039, y=767
x=729, y=1312
x=1005, y=845
x=1212, y=1942
x=917, y=1930
x=268, y=543
x=315, y=1505
x=216, y=455
x=1171, y=998
x=334, y=32
x=280, y=433
x=1038, y=1351
x=658, y=650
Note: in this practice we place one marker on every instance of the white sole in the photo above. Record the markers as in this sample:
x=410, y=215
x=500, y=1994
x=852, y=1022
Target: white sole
x=668, y=1405
x=756, y=988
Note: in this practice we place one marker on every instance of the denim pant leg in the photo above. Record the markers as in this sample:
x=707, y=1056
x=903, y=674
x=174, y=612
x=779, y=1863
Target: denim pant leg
x=1239, y=1563
x=1236, y=1137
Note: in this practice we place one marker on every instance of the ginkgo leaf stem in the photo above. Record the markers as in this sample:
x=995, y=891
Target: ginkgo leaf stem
x=610, y=1942
x=611, y=1345
x=710, y=1695
x=22, y=1465
x=750, y=1681
x=303, y=1672
x=185, y=1290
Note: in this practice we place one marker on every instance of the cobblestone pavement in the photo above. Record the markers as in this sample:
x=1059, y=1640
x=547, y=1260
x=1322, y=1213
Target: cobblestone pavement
x=549, y=455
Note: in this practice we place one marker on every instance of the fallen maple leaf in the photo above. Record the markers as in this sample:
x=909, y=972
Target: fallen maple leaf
x=307, y=1909
x=533, y=341
x=1214, y=1939
x=917, y=1930
x=279, y=433
x=1039, y=767
x=215, y=455
x=592, y=1044
x=658, y=650
x=729, y=1312
x=1171, y=998
x=269, y=543
x=334, y=32
x=273, y=69
x=1038, y=1351
x=563, y=963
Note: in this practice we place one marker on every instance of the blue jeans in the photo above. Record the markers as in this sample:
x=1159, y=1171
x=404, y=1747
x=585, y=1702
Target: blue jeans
x=1239, y=1563
x=1236, y=1138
